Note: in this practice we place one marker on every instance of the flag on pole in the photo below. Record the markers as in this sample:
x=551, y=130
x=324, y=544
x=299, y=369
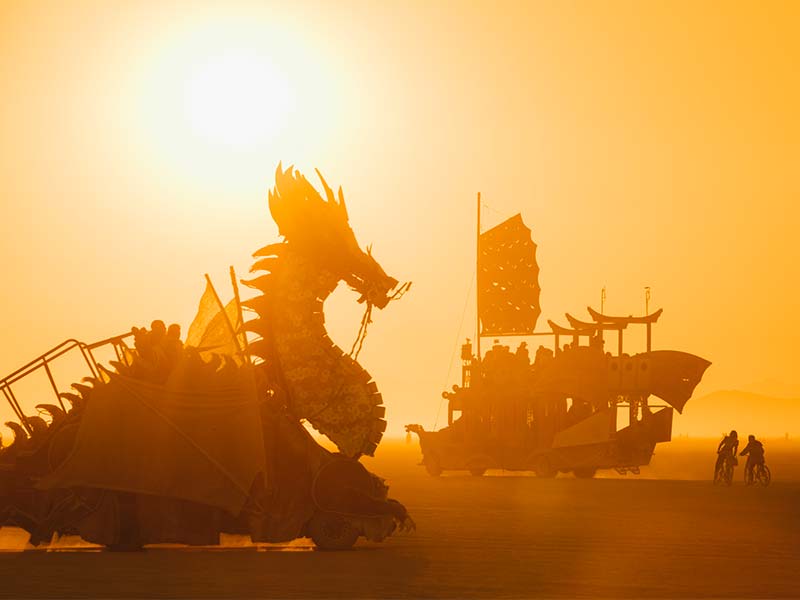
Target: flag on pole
x=217, y=328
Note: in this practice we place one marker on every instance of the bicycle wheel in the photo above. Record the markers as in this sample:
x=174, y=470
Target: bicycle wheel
x=766, y=476
x=718, y=475
x=728, y=474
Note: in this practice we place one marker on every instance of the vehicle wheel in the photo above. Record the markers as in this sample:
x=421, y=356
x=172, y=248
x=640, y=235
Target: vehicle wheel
x=331, y=532
x=125, y=547
x=477, y=471
x=728, y=475
x=766, y=476
x=432, y=466
x=543, y=468
x=128, y=539
x=585, y=472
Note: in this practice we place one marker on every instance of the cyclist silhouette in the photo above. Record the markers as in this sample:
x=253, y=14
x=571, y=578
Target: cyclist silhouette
x=727, y=450
x=755, y=455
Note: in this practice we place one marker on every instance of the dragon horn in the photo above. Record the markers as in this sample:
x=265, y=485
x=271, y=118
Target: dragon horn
x=341, y=202
x=328, y=190
x=283, y=179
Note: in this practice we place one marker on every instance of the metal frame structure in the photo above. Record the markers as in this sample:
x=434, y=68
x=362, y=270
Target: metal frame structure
x=43, y=361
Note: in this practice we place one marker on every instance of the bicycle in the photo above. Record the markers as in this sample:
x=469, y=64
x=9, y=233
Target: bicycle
x=760, y=474
x=724, y=473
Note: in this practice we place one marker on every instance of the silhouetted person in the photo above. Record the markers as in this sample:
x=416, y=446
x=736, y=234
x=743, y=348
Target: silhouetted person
x=173, y=343
x=596, y=342
x=522, y=354
x=755, y=454
x=490, y=358
x=727, y=449
x=174, y=332
x=140, y=341
x=542, y=357
x=158, y=331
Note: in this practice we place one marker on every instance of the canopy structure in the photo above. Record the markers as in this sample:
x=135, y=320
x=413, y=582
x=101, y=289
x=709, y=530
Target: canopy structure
x=646, y=319
x=585, y=325
x=622, y=322
x=508, y=280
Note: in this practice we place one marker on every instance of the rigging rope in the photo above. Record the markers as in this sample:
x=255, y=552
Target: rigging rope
x=367, y=319
x=362, y=332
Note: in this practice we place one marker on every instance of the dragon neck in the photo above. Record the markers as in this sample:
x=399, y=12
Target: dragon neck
x=320, y=382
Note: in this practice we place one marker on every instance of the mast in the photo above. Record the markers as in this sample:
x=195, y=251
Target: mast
x=477, y=278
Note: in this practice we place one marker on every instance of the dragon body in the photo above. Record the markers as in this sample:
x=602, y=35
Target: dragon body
x=280, y=481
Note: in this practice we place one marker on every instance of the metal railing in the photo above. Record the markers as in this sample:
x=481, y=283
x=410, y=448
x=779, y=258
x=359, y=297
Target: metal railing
x=43, y=362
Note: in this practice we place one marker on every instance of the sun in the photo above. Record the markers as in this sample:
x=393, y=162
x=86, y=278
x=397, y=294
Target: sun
x=236, y=99
x=217, y=101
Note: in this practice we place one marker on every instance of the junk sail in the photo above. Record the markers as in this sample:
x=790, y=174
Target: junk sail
x=508, y=280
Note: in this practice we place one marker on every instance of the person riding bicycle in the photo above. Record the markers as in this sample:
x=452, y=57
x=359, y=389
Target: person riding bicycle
x=755, y=455
x=727, y=450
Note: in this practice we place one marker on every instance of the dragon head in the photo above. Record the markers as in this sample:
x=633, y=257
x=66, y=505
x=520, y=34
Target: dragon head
x=320, y=229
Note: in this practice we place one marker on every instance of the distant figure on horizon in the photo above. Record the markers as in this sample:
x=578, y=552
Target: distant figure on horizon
x=755, y=455
x=727, y=449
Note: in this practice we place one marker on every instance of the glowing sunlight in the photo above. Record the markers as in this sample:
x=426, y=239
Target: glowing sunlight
x=222, y=98
x=237, y=99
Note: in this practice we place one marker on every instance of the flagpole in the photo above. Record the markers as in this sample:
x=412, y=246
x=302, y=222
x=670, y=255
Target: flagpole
x=225, y=315
x=235, y=285
x=477, y=282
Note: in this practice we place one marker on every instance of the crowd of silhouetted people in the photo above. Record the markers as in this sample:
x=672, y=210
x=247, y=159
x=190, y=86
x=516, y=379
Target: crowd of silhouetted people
x=158, y=350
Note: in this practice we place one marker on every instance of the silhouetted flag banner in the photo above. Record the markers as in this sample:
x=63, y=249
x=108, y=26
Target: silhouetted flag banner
x=508, y=279
x=215, y=328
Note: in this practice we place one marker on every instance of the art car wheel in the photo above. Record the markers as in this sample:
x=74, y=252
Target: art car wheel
x=432, y=466
x=129, y=539
x=478, y=464
x=543, y=468
x=331, y=532
x=125, y=547
x=585, y=472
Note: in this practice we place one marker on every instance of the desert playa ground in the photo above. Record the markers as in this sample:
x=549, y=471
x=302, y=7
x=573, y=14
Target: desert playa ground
x=666, y=533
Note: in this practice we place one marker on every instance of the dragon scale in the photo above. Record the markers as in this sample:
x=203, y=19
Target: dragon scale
x=320, y=383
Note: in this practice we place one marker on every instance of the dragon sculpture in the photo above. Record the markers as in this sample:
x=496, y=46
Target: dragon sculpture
x=269, y=478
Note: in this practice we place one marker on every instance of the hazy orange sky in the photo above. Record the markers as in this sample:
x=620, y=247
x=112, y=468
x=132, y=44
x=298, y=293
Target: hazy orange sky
x=645, y=143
